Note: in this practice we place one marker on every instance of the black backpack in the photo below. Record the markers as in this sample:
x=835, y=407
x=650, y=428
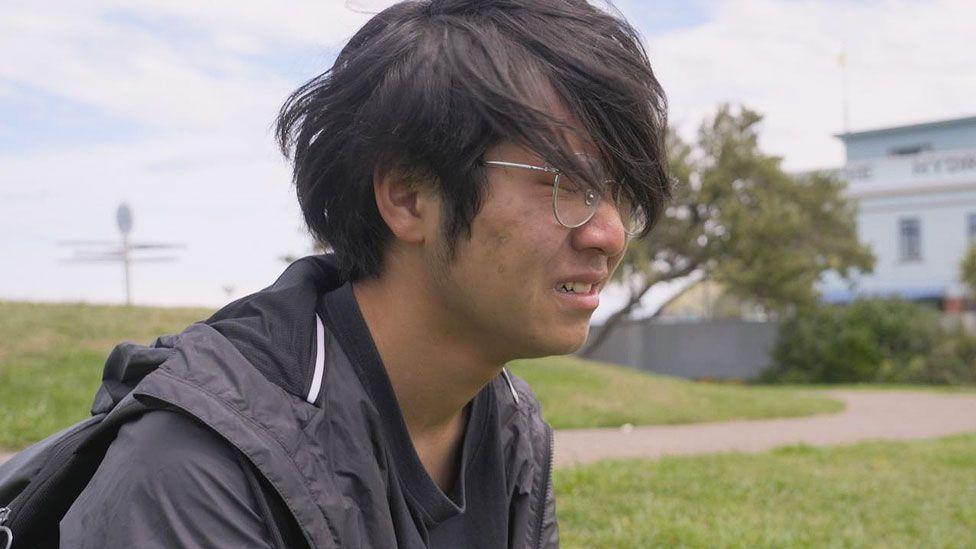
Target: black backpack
x=39, y=484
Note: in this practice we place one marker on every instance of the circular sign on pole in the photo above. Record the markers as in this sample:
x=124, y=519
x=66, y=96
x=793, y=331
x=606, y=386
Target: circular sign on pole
x=124, y=218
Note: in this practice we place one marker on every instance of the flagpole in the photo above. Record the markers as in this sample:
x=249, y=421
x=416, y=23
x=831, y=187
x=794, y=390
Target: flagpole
x=845, y=89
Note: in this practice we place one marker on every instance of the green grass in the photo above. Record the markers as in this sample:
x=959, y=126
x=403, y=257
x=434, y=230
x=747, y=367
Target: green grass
x=880, y=494
x=577, y=393
x=51, y=358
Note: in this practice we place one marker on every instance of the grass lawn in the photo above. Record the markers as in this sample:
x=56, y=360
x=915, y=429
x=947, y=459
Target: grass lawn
x=51, y=358
x=579, y=393
x=879, y=494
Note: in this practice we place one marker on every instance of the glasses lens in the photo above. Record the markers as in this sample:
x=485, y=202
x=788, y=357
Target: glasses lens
x=576, y=199
x=632, y=214
x=575, y=202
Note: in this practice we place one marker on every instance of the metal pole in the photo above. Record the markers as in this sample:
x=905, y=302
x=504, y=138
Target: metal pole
x=845, y=89
x=126, y=254
x=126, y=266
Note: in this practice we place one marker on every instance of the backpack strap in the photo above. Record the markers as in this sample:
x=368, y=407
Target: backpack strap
x=39, y=486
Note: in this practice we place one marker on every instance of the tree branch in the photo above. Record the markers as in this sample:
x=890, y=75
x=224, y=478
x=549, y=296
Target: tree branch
x=635, y=298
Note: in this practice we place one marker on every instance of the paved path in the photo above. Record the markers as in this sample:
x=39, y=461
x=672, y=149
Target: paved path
x=893, y=415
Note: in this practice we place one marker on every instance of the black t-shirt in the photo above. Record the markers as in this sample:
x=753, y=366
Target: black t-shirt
x=475, y=511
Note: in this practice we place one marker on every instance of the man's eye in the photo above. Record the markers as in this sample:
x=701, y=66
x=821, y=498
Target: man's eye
x=544, y=182
x=570, y=187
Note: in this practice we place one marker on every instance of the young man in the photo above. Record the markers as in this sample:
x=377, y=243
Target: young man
x=476, y=167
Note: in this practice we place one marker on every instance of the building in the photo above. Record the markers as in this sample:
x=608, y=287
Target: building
x=915, y=187
x=915, y=190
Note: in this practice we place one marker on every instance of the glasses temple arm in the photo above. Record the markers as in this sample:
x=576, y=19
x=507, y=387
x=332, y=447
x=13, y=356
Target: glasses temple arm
x=523, y=166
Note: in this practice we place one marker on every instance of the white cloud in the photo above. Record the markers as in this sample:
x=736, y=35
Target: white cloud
x=299, y=21
x=166, y=80
x=909, y=61
x=206, y=171
x=229, y=201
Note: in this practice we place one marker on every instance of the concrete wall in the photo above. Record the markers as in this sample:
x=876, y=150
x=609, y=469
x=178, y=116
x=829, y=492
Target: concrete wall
x=718, y=349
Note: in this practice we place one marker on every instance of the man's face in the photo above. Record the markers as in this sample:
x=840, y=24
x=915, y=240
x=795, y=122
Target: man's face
x=504, y=286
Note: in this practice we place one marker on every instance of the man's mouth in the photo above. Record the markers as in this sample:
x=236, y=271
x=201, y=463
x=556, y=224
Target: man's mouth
x=574, y=287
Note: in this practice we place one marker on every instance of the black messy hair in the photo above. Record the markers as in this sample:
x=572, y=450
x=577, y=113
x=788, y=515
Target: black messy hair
x=426, y=87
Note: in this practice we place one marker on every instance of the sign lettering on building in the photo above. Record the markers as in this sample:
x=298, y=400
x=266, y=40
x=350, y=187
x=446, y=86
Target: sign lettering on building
x=956, y=163
x=911, y=172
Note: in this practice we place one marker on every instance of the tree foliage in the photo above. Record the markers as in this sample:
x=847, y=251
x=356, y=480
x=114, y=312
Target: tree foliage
x=872, y=340
x=967, y=268
x=765, y=235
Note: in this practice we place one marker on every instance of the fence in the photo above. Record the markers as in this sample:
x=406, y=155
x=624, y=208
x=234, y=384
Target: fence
x=717, y=349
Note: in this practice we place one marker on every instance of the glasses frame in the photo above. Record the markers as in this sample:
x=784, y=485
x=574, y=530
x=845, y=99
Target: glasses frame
x=555, y=191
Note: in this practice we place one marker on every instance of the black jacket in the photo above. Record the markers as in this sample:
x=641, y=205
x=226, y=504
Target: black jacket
x=313, y=434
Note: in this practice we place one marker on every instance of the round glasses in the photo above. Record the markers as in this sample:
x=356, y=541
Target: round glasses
x=575, y=201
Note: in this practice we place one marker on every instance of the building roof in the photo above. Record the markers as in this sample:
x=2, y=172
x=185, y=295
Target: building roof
x=965, y=121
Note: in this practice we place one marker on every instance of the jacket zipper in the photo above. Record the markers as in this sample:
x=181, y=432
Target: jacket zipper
x=4, y=530
x=545, y=487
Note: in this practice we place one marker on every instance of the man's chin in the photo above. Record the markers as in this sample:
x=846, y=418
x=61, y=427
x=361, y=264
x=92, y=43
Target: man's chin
x=570, y=342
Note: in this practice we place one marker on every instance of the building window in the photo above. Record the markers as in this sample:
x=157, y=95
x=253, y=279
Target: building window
x=908, y=150
x=971, y=227
x=909, y=239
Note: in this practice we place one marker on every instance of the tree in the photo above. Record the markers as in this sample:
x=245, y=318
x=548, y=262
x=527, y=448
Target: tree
x=765, y=235
x=316, y=247
x=967, y=268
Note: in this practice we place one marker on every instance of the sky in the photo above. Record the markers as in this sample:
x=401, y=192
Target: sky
x=168, y=105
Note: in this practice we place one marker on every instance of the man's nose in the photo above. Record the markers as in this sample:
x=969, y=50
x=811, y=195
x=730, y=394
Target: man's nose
x=604, y=231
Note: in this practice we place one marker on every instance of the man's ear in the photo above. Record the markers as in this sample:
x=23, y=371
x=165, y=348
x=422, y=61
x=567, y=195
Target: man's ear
x=408, y=206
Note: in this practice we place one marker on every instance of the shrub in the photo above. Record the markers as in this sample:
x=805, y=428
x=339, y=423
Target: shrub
x=871, y=340
x=967, y=268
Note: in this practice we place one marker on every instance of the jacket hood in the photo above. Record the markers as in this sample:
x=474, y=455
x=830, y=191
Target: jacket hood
x=274, y=329
x=237, y=372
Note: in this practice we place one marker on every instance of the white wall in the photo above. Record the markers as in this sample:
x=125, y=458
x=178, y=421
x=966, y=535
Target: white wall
x=944, y=238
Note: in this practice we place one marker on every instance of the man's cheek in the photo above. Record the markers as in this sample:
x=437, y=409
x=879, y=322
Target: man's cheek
x=615, y=262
